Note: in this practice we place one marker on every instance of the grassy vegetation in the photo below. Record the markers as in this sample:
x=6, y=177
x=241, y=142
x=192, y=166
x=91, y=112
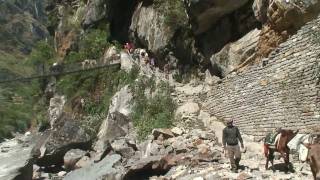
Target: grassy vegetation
x=156, y=111
x=16, y=107
x=91, y=46
x=42, y=54
x=93, y=43
x=173, y=11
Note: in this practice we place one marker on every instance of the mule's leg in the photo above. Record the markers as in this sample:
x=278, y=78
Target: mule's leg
x=285, y=157
x=287, y=160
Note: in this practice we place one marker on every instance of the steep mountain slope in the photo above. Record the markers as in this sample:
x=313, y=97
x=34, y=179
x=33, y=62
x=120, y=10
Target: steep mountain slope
x=22, y=25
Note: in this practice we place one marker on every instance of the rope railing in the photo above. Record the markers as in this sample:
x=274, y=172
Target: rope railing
x=63, y=70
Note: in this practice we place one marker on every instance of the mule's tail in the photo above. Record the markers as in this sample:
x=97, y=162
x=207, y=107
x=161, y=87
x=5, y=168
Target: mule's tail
x=266, y=150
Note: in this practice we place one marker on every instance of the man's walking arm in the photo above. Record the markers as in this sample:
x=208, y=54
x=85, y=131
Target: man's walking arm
x=224, y=138
x=239, y=137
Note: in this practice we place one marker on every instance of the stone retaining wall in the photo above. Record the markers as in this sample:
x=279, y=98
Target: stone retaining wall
x=284, y=93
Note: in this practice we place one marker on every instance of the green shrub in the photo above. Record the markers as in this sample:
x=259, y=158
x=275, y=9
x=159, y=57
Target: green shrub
x=74, y=57
x=42, y=53
x=91, y=124
x=93, y=43
x=17, y=115
x=152, y=112
x=173, y=11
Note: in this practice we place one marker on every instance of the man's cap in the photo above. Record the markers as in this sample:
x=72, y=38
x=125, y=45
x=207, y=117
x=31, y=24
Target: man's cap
x=229, y=121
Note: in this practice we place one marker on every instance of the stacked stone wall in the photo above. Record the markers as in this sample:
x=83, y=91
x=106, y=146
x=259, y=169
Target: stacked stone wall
x=283, y=93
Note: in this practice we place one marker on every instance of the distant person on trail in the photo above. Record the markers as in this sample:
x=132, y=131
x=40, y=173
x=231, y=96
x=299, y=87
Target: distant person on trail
x=152, y=63
x=146, y=59
x=166, y=69
x=136, y=54
x=131, y=48
x=230, y=139
x=128, y=47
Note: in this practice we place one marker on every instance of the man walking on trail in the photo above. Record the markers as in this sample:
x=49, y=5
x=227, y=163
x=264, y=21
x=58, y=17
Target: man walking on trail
x=230, y=138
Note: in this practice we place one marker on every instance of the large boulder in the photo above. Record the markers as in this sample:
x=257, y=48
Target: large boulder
x=204, y=14
x=105, y=169
x=126, y=62
x=67, y=134
x=153, y=165
x=187, y=109
x=162, y=27
x=96, y=10
x=233, y=54
x=148, y=27
x=228, y=28
x=123, y=147
x=16, y=159
x=118, y=122
x=72, y=157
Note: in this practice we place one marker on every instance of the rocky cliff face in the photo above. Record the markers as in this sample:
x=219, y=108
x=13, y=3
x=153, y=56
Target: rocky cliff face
x=149, y=29
x=282, y=19
x=205, y=14
x=199, y=28
x=137, y=121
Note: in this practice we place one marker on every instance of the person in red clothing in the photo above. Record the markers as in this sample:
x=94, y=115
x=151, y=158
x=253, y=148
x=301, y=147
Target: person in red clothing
x=131, y=48
x=127, y=47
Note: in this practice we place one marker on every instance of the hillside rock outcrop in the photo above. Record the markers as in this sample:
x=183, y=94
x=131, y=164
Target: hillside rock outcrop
x=205, y=14
x=96, y=10
x=235, y=53
x=284, y=18
x=118, y=122
x=149, y=29
x=228, y=28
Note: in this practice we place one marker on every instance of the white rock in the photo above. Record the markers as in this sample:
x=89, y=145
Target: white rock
x=198, y=178
x=117, y=122
x=127, y=62
x=187, y=109
x=236, y=53
x=177, y=131
x=62, y=173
